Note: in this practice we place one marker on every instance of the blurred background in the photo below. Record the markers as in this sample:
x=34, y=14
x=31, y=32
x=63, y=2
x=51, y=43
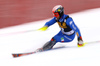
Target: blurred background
x=15, y=12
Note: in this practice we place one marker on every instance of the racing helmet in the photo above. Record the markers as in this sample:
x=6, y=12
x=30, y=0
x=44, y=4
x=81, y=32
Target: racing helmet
x=58, y=10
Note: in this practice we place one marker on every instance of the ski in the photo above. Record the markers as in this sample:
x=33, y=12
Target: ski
x=23, y=54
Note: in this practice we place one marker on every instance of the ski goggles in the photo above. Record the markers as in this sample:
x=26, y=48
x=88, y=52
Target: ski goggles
x=56, y=14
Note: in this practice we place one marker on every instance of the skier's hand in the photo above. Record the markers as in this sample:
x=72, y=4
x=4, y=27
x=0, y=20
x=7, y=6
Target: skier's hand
x=80, y=42
x=43, y=28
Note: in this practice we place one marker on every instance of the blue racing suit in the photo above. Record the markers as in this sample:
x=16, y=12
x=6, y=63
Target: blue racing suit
x=68, y=29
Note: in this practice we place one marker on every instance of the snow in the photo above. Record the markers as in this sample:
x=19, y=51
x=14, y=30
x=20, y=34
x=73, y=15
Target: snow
x=26, y=38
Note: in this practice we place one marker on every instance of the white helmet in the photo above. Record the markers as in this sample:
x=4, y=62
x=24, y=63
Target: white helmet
x=58, y=9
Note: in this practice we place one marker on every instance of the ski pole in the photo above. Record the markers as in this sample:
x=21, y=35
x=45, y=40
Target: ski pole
x=6, y=34
x=92, y=42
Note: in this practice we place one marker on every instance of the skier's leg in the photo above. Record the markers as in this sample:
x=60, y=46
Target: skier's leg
x=49, y=44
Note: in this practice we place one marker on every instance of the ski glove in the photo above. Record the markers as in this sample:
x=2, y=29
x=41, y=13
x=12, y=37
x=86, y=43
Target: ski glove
x=80, y=42
x=43, y=28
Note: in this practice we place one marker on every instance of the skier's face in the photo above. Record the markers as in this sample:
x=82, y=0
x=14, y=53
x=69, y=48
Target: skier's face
x=56, y=15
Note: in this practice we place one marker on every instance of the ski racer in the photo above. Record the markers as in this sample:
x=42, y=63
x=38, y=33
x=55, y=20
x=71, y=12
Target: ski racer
x=67, y=32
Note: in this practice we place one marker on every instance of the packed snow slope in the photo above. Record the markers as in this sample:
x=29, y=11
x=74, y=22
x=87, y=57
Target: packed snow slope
x=26, y=38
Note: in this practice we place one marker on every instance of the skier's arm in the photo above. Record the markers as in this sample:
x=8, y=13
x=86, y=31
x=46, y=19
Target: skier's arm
x=76, y=29
x=71, y=23
x=47, y=24
x=51, y=22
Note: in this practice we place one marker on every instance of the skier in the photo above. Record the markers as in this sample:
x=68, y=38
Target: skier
x=67, y=32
